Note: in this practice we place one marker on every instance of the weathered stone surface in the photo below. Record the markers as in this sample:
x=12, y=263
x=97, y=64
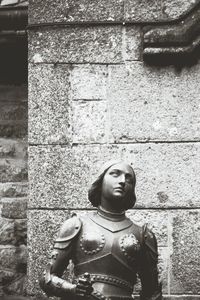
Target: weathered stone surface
x=43, y=227
x=89, y=121
x=76, y=11
x=13, y=170
x=175, y=9
x=136, y=11
x=20, y=232
x=158, y=104
x=14, y=208
x=85, y=44
x=7, y=231
x=166, y=173
x=14, y=93
x=185, y=257
x=7, y=257
x=13, y=111
x=13, y=148
x=13, y=189
x=13, y=129
x=49, y=109
x=89, y=82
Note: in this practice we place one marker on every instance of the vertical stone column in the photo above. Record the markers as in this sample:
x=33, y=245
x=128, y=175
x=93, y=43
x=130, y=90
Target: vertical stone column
x=92, y=98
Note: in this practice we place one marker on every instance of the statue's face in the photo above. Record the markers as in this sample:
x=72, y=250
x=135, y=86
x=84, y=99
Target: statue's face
x=118, y=182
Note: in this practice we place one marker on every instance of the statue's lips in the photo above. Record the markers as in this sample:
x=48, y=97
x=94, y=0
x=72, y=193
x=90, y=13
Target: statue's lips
x=119, y=189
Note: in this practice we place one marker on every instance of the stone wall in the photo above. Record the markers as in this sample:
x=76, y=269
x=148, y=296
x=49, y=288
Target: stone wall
x=13, y=188
x=92, y=98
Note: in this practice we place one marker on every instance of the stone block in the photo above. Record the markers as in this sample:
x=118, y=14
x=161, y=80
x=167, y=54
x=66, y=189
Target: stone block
x=89, y=121
x=166, y=173
x=79, y=11
x=49, y=108
x=147, y=103
x=14, y=208
x=13, y=189
x=43, y=227
x=89, y=82
x=110, y=11
x=83, y=44
x=185, y=270
x=13, y=170
x=42, y=238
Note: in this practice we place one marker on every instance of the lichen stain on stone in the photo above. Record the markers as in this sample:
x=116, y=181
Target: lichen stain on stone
x=162, y=197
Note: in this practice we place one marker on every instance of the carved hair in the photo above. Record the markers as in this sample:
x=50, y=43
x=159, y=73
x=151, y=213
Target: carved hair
x=94, y=192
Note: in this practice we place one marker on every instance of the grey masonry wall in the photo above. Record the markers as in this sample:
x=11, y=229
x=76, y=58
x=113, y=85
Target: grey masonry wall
x=13, y=188
x=92, y=98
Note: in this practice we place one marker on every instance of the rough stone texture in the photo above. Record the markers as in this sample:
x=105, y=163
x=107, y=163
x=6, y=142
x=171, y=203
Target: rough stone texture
x=185, y=259
x=13, y=114
x=89, y=121
x=13, y=148
x=49, y=110
x=85, y=44
x=158, y=104
x=13, y=189
x=14, y=208
x=41, y=239
x=76, y=11
x=7, y=231
x=13, y=186
x=89, y=82
x=166, y=173
x=128, y=10
x=13, y=170
x=131, y=113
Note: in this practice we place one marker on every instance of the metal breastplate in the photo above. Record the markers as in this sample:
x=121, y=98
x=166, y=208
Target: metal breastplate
x=108, y=250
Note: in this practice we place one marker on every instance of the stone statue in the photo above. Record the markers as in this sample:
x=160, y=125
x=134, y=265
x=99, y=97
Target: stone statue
x=108, y=250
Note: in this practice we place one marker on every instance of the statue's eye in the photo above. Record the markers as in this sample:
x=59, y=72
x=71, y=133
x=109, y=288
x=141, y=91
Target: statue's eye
x=129, y=179
x=114, y=173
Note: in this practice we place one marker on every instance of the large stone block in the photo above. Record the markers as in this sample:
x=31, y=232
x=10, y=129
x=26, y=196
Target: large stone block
x=85, y=44
x=185, y=270
x=147, y=103
x=43, y=227
x=75, y=11
x=84, y=11
x=166, y=173
x=49, y=109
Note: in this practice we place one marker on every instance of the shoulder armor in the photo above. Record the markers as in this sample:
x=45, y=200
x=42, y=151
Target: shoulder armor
x=68, y=231
x=149, y=239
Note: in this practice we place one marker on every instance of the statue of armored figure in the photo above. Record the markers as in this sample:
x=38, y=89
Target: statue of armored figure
x=108, y=250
